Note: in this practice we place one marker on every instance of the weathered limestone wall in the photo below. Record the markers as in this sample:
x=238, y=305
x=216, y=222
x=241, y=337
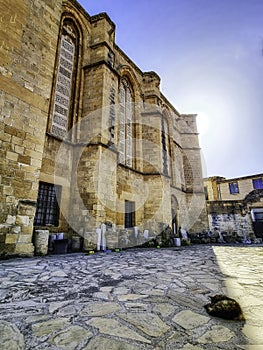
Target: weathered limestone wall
x=218, y=187
x=232, y=222
x=151, y=144
x=229, y=218
x=56, y=168
x=102, y=40
x=195, y=219
x=28, y=35
x=245, y=186
x=165, y=211
x=130, y=187
x=84, y=187
x=196, y=213
x=176, y=168
x=212, y=187
x=93, y=87
x=93, y=188
x=86, y=165
x=106, y=172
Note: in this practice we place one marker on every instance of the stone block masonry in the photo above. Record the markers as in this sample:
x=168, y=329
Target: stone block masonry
x=229, y=218
x=85, y=135
x=27, y=61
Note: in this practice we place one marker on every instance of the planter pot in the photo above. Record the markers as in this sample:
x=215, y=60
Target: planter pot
x=177, y=242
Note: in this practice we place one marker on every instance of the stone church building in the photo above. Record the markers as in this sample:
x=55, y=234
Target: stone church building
x=86, y=137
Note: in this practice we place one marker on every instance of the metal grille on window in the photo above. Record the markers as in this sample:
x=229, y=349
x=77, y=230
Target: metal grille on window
x=63, y=88
x=47, y=212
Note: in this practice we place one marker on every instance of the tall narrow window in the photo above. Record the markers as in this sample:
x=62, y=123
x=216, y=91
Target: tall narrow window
x=47, y=212
x=164, y=147
x=206, y=193
x=64, y=81
x=126, y=119
x=112, y=116
x=129, y=214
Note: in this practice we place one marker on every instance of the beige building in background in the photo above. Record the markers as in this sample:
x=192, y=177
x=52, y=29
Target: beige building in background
x=220, y=188
x=86, y=137
x=235, y=205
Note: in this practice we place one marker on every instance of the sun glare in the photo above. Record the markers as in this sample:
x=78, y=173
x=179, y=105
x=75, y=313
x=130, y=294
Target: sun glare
x=203, y=123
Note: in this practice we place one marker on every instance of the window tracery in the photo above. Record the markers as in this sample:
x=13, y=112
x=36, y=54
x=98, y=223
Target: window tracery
x=64, y=82
x=126, y=124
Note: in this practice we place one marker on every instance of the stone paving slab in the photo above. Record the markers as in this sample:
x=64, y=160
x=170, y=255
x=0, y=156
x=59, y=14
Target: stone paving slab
x=133, y=300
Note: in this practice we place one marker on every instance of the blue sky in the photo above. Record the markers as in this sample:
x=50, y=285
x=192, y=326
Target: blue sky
x=209, y=55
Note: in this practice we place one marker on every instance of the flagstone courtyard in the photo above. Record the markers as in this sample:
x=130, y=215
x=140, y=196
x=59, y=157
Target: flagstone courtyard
x=136, y=299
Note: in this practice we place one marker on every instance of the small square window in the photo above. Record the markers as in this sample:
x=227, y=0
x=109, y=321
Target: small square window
x=258, y=183
x=233, y=188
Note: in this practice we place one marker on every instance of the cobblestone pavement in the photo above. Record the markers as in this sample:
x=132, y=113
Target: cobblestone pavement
x=133, y=300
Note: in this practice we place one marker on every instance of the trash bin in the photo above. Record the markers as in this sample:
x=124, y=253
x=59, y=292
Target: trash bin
x=60, y=246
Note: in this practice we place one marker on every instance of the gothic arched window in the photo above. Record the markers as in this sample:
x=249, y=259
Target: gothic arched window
x=65, y=77
x=165, y=145
x=126, y=124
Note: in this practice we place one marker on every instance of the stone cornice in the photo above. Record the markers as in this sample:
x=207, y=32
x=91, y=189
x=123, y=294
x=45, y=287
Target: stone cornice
x=191, y=148
x=100, y=63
